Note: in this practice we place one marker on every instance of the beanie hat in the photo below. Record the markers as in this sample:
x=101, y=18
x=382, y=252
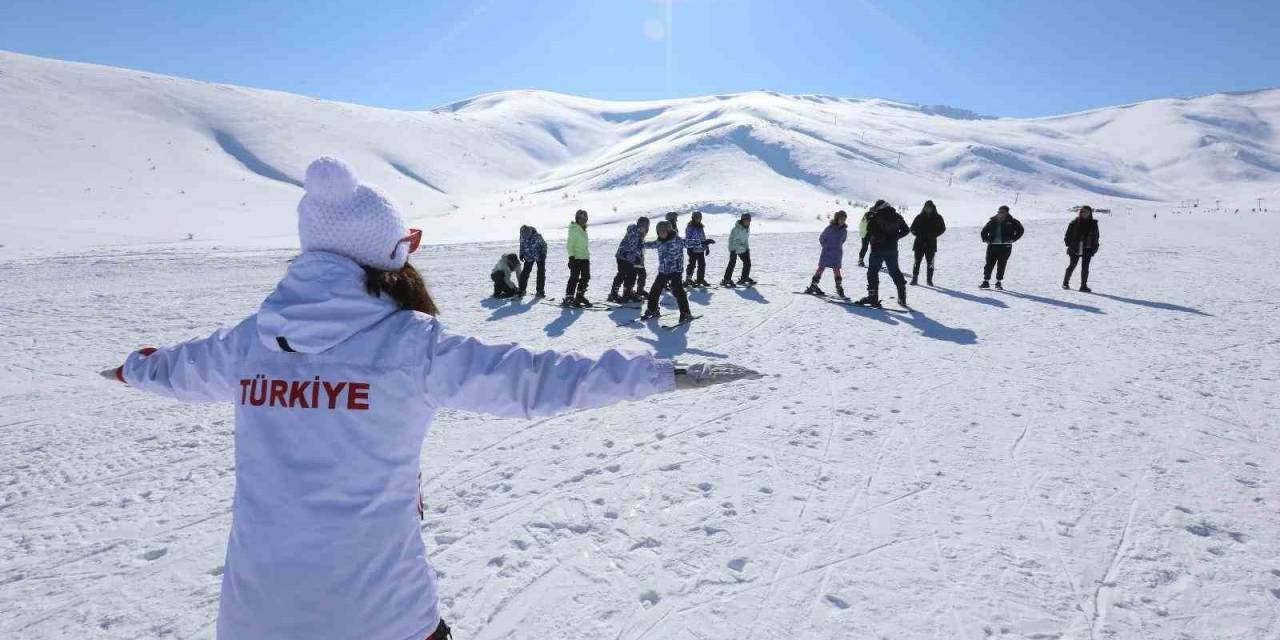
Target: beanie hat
x=339, y=215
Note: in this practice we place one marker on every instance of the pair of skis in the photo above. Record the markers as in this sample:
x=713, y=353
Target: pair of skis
x=852, y=303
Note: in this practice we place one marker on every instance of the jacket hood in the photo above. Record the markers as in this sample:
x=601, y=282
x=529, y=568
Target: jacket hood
x=320, y=303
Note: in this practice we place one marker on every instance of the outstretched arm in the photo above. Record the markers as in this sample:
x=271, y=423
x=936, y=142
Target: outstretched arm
x=511, y=380
x=200, y=370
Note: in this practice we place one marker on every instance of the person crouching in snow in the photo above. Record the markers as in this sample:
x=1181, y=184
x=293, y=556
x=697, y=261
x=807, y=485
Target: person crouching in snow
x=533, y=251
x=670, y=268
x=630, y=257
x=832, y=257
x=335, y=380
x=503, y=287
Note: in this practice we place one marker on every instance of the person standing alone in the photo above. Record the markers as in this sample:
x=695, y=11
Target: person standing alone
x=885, y=227
x=926, y=227
x=1082, y=240
x=1000, y=232
x=739, y=248
x=575, y=292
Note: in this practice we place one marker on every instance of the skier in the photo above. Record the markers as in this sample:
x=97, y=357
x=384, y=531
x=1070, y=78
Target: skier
x=533, y=251
x=336, y=379
x=673, y=219
x=885, y=227
x=630, y=253
x=670, y=266
x=503, y=287
x=575, y=292
x=926, y=227
x=832, y=241
x=739, y=247
x=698, y=245
x=862, y=233
x=1082, y=239
x=1000, y=232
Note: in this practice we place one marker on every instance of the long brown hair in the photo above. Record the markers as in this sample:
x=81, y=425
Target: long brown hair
x=404, y=285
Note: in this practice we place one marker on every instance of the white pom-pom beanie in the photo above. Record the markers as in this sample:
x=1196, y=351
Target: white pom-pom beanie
x=339, y=215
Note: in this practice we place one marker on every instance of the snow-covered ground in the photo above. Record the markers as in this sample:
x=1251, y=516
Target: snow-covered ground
x=93, y=156
x=1036, y=463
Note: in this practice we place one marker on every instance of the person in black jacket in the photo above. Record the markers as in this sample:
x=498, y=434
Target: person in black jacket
x=926, y=228
x=885, y=227
x=1000, y=232
x=1082, y=240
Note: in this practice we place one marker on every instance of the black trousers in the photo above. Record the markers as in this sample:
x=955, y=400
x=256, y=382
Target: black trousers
x=698, y=263
x=579, y=276
x=500, y=288
x=998, y=257
x=663, y=281
x=542, y=276
x=887, y=256
x=733, y=262
x=1084, y=269
x=928, y=258
x=862, y=253
x=625, y=278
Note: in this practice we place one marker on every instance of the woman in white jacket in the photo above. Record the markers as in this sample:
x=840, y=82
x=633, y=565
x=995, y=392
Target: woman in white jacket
x=335, y=380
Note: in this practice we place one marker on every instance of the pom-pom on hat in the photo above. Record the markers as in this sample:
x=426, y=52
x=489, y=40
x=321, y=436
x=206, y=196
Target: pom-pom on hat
x=339, y=215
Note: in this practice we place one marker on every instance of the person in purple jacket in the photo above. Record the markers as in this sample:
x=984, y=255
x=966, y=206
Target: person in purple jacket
x=832, y=257
x=335, y=381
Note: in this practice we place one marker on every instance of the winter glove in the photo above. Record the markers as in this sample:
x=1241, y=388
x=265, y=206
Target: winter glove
x=117, y=374
x=705, y=374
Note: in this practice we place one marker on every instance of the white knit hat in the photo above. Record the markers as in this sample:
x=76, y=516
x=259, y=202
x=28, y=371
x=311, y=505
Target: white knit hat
x=339, y=215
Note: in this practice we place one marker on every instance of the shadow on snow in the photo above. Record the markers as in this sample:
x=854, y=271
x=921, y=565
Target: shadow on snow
x=1167, y=306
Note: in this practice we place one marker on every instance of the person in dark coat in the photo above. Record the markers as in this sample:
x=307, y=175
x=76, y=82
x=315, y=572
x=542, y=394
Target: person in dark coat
x=630, y=256
x=671, y=249
x=1000, y=232
x=832, y=257
x=698, y=245
x=533, y=251
x=926, y=228
x=885, y=227
x=862, y=233
x=1082, y=240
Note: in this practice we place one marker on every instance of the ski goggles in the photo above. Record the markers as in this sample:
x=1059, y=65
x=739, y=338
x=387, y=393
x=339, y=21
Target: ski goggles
x=414, y=239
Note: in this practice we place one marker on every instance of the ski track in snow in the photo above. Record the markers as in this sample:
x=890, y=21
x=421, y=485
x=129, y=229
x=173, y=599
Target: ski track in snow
x=1037, y=463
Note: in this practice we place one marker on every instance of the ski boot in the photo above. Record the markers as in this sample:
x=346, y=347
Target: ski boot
x=999, y=285
x=688, y=282
x=840, y=292
x=902, y=295
x=746, y=282
x=566, y=303
x=703, y=284
x=871, y=300
x=985, y=285
x=685, y=317
x=862, y=263
x=1066, y=286
x=728, y=284
x=915, y=279
x=813, y=290
x=614, y=298
x=929, y=277
x=1084, y=288
x=650, y=314
x=581, y=302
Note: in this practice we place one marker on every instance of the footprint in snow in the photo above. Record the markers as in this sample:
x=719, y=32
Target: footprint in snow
x=649, y=598
x=154, y=554
x=738, y=564
x=836, y=601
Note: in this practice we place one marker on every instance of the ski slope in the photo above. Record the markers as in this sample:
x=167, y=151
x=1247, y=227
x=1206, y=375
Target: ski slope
x=94, y=156
x=1036, y=463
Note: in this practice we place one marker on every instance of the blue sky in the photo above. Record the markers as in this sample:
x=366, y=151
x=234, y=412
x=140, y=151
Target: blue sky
x=999, y=57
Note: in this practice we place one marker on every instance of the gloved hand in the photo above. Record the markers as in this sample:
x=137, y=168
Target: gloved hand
x=112, y=374
x=705, y=374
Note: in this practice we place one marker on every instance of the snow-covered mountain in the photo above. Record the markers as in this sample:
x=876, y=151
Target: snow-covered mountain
x=93, y=156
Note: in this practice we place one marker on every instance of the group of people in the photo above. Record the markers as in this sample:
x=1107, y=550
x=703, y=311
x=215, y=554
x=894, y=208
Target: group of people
x=674, y=274
x=882, y=227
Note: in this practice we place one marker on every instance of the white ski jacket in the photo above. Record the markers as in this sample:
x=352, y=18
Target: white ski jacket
x=324, y=538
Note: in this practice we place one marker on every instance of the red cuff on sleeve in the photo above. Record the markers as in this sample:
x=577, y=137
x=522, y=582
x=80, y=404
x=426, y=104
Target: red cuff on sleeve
x=120, y=374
